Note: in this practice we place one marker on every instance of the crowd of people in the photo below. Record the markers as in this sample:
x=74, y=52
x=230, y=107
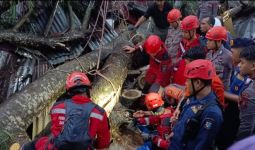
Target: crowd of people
x=208, y=96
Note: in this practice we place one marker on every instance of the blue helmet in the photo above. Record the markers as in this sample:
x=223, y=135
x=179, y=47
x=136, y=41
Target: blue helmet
x=241, y=42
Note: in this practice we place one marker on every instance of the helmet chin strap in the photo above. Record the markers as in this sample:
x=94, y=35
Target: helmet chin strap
x=190, y=37
x=194, y=93
x=177, y=24
x=216, y=46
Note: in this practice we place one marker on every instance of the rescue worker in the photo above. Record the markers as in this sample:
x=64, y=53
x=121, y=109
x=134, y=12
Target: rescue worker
x=192, y=54
x=159, y=118
x=198, y=52
x=201, y=117
x=220, y=56
x=158, y=11
x=247, y=97
x=63, y=112
x=174, y=36
x=206, y=24
x=237, y=83
x=160, y=62
x=190, y=39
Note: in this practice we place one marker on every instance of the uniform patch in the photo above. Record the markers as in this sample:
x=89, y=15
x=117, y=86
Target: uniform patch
x=243, y=100
x=208, y=124
x=236, y=88
x=196, y=108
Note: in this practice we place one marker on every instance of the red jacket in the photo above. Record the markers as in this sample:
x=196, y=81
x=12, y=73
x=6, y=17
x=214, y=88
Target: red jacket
x=162, y=122
x=159, y=70
x=178, y=76
x=99, y=128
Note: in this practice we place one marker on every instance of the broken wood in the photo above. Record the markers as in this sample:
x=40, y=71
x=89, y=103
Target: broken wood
x=71, y=20
x=33, y=41
x=48, y=26
x=86, y=17
x=23, y=19
x=17, y=112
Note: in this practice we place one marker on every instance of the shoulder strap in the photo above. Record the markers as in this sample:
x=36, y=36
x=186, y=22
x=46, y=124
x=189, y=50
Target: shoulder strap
x=182, y=48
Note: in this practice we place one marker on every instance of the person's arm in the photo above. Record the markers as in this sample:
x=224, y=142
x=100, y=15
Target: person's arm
x=145, y=16
x=150, y=120
x=140, y=21
x=160, y=142
x=231, y=97
x=247, y=114
x=103, y=134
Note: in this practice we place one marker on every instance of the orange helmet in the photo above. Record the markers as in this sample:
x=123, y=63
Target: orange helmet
x=153, y=100
x=174, y=92
x=201, y=69
x=77, y=79
x=217, y=33
x=152, y=44
x=189, y=23
x=174, y=15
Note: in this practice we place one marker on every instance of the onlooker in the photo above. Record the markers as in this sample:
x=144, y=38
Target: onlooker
x=237, y=84
x=158, y=11
x=247, y=97
x=207, y=8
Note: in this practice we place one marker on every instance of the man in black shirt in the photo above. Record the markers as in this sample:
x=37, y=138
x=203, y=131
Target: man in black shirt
x=158, y=11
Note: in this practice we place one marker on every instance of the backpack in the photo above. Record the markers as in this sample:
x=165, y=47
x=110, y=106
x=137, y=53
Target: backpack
x=76, y=127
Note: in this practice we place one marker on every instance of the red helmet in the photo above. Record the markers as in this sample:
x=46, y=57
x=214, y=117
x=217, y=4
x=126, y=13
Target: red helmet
x=152, y=44
x=201, y=69
x=76, y=79
x=174, y=15
x=217, y=33
x=189, y=23
x=153, y=100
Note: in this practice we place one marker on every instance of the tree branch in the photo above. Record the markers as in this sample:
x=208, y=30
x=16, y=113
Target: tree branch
x=47, y=29
x=86, y=17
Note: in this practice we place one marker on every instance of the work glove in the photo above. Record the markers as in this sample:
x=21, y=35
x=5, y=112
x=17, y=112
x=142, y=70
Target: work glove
x=142, y=121
x=160, y=142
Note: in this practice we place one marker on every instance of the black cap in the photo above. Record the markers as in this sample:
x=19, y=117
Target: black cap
x=241, y=42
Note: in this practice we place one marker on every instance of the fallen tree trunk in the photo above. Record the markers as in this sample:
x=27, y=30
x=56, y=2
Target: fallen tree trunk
x=24, y=39
x=114, y=73
x=17, y=113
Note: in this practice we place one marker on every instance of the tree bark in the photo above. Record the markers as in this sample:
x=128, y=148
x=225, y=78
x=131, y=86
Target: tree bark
x=23, y=39
x=114, y=73
x=17, y=113
x=86, y=17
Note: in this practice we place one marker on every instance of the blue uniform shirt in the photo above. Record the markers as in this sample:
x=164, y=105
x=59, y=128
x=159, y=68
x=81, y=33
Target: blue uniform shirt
x=211, y=120
x=238, y=83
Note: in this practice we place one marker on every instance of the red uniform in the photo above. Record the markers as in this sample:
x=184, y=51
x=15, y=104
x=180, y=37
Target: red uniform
x=178, y=76
x=98, y=128
x=163, y=127
x=159, y=70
